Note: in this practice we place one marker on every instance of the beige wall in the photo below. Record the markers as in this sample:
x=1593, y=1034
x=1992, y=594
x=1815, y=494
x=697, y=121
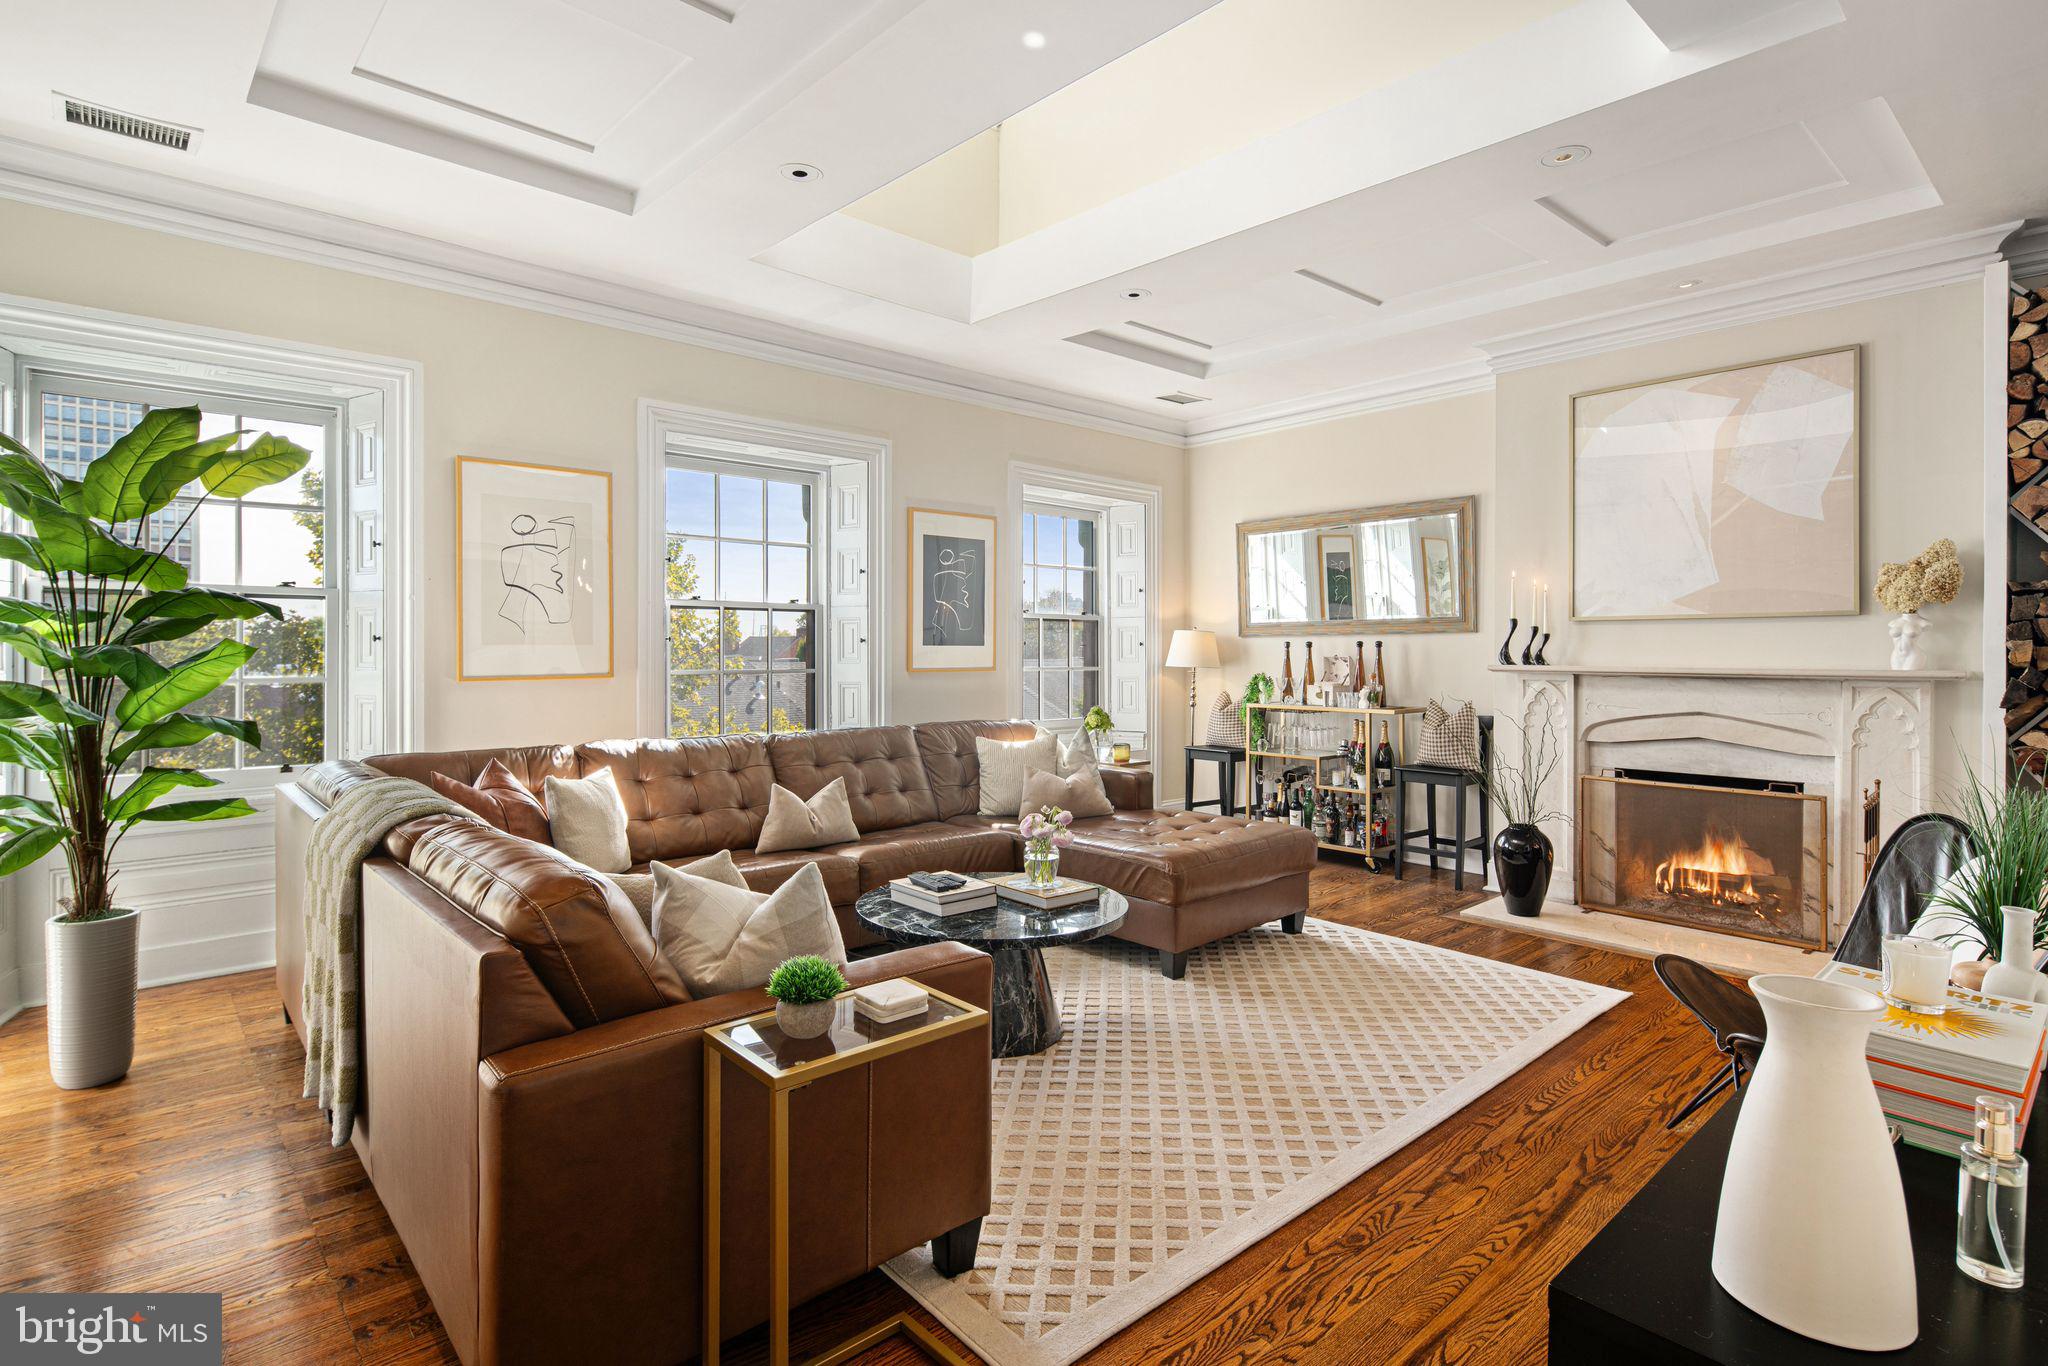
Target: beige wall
x=522, y=385
x=1921, y=427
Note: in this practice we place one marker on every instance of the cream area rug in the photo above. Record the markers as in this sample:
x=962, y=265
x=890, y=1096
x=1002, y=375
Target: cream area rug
x=1176, y=1123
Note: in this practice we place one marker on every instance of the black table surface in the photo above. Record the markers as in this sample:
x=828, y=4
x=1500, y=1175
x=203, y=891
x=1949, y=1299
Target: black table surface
x=1008, y=924
x=1644, y=1291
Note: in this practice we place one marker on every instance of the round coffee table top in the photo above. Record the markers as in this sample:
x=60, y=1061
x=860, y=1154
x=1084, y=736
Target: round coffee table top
x=1005, y=925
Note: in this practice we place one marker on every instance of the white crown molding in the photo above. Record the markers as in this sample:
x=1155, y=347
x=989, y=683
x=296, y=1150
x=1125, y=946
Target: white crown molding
x=2027, y=251
x=1901, y=270
x=1399, y=391
x=50, y=178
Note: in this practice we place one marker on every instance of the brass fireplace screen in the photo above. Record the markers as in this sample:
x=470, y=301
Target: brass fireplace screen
x=1732, y=860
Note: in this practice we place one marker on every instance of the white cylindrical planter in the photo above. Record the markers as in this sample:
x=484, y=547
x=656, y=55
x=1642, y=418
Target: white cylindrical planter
x=1812, y=1229
x=91, y=966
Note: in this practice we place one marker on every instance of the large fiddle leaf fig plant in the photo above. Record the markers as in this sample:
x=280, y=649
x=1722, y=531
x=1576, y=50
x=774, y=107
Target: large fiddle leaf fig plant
x=104, y=728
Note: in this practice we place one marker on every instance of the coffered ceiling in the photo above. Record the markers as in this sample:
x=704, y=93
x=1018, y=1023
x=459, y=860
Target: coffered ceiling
x=1278, y=208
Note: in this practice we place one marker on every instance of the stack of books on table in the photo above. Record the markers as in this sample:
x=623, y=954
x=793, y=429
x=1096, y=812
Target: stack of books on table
x=965, y=894
x=1066, y=891
x=1930, y=1069
x=895, y=999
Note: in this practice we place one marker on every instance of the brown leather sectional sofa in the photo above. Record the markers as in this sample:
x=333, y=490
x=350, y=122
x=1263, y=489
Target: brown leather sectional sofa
x=530, y=1106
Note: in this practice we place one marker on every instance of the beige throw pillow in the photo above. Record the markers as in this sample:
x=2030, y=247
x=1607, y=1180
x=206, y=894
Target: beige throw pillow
x=639, y=887
x=1081, y=793
x=1003, y=766
x=1076, y=751
x=793, y=823
x=587, y=821
x=722, y=938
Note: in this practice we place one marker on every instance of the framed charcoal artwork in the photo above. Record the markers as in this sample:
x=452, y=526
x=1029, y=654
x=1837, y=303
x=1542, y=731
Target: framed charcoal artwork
x=534, y=571
x=952, y=572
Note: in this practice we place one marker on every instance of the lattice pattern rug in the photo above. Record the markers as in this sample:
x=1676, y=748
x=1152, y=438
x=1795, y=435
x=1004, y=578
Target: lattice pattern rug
x=1176, y=1123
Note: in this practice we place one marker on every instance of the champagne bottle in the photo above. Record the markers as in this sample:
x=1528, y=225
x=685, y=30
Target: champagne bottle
x=1383, y=760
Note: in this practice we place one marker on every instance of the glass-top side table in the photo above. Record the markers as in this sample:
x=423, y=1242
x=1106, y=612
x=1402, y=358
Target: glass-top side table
x=756, y=1047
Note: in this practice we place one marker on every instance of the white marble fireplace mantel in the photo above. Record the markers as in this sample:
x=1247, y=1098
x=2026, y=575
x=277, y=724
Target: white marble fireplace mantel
x=1837, y=732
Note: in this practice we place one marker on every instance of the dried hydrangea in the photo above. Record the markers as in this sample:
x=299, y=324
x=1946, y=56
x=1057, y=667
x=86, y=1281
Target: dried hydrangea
x=1935, y=575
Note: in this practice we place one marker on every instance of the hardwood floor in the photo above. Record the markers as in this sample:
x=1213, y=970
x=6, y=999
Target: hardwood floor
x=204, y=1171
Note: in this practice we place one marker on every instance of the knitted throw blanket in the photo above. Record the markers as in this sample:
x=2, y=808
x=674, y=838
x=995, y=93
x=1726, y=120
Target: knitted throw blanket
x=352, y=830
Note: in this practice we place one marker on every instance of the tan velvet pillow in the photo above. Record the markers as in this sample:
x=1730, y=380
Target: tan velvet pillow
x=722, y=938
x=587, y=821
x=1081, y=793
x=793, y=823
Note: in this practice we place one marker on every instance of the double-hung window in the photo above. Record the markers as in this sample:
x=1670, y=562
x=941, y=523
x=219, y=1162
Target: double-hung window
x=271, y=545
x=1062, y=654
x=743, y=597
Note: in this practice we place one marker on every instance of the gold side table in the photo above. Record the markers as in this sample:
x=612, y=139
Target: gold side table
x=757, y=1048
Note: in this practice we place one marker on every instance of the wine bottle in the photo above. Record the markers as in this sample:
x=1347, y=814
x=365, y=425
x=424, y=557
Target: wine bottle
x=1359, y=680
x=1308, y=670
x=1376, y=689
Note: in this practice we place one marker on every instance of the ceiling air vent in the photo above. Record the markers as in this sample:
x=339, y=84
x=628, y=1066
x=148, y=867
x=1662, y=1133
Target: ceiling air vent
x=107, y=120
x=1179, y=396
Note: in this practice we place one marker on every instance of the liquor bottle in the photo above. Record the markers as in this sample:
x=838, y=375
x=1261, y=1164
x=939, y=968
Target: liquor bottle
x=1383, y=760
x=1376, y=689
x=1308, y=670
x=1286, y=671
x=1359, y=679
x=1294, y=805
x=1991, y=1217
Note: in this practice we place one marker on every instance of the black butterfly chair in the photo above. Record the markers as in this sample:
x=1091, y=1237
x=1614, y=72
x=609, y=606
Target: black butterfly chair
x=1730, y=1014
x=1920, y=854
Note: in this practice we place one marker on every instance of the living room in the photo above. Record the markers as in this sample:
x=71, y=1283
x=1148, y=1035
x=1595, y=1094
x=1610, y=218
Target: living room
x=1291, y=595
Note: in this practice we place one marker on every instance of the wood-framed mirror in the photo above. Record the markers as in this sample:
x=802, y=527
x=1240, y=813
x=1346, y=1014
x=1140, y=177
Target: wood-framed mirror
x=1399, y=568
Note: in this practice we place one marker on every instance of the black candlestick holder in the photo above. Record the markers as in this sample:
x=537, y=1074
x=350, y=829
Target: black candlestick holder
x=1529, y=646
x=1507, y=644
x=1540, y=646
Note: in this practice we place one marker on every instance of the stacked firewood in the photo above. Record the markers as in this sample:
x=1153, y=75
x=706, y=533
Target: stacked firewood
x=2026, y=443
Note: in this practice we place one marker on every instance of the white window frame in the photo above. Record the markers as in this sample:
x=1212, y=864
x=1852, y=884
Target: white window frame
x=1094, y=618
x=38, y=378
x=812, y=602
x=851, y=576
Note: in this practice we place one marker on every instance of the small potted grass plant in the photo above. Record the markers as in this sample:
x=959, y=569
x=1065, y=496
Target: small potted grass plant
x=805, y=991
x=2000, y=889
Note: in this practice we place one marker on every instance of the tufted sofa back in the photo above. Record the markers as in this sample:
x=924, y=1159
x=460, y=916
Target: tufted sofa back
x=950, y=763
x=885, y=778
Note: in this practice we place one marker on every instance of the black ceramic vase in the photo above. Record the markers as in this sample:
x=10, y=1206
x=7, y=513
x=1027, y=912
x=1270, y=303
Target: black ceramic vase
x=1522, y=860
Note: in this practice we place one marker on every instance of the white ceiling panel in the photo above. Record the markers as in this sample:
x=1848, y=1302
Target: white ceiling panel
x=1419, y=262
x=538, y=65
x=1229, y=318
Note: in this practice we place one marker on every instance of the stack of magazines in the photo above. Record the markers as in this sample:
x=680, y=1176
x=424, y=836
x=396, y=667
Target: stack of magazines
x=1064, y=891
x=1930, y=1069
x=942, y=893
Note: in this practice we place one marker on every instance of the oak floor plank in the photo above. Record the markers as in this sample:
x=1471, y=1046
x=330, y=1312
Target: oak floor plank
x=204, y=1170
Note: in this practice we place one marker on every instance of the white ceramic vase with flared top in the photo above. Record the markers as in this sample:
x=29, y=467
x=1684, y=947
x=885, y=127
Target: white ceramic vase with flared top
x=2013, y=975
x=1812, y=1229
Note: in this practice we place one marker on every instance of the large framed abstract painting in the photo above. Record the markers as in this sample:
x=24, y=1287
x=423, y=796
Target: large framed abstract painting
x=952, y=573
x=534, y=571
x=1732, y=493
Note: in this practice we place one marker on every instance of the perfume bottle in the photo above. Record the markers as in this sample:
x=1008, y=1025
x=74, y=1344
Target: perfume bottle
x=1991, y=1210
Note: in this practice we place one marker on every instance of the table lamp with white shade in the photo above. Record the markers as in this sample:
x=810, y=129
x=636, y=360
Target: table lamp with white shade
x=1192, y=650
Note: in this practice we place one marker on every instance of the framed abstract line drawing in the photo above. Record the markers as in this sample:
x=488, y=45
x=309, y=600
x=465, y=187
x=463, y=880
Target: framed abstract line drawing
x=1439, y=578
x=1729, y=493
x=1336, y=554
x=533, y=571
x=952, y=574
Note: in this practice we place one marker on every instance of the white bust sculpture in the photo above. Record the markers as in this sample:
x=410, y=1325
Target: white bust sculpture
x=1906, y=629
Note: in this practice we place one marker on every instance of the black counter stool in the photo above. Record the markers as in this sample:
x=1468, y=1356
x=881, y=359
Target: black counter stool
x=1226, y=758
x=1432, y=777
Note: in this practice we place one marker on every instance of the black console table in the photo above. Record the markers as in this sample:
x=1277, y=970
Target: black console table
x=1643, y=1291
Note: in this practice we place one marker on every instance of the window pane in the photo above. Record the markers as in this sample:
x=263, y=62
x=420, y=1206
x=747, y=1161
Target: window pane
x=690, y=567
x=739, y=507
x=792, y=640
x=1086, y=633
x=204, y=544
x=297, y=645
x=1048, y=539
x=1081, y=541
x=215, y=751
x=739, y=571
x=746, y=641
x=789, y=574
x=76, y=430
x=169, y=652
x=746, y=702
x=293, y=719
x=1087, y=692
x=789, y=702
x=1052, y=642
x=279, y=547
x=789, y=512
x=1030, y=707
x=1045, y=594
x=690, y=511
x=1079, y=594
x=309, y=485
x=1030, y=642
x=693, y=639
x=1054, y=689
x=692, y=705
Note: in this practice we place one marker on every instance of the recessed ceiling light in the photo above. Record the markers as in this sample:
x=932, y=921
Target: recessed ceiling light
x=1134, y=294
x=1690, y=284
x=1571, y=154
x=1033, y=39
x=798, y=171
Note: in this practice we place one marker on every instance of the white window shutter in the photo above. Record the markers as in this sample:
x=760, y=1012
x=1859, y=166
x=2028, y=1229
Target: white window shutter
x=1127, y=689
x=849, y=657
x=366, y=690
x=12, y=422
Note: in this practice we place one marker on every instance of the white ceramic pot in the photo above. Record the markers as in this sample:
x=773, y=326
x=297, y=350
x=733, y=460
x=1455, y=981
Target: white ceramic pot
x=804, y=1021
x=90, y=967
x=1812, y=1228
x=1906, y=629
x=2013, y=975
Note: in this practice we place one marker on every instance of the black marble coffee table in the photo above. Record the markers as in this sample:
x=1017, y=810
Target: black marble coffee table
x=1023, y=1017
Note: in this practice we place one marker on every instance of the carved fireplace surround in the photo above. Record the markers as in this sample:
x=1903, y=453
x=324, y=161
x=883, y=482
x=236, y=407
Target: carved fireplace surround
x=1835, y=733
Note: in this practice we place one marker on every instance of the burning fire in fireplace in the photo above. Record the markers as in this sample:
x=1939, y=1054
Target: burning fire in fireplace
x=1722, y=871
